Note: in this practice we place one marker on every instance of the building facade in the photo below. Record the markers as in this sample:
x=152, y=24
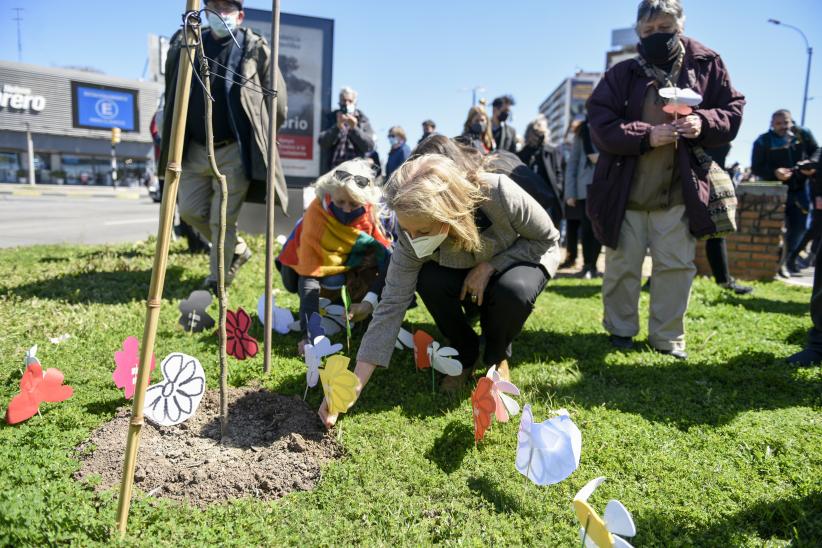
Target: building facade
x=69, y=115
x=567, y=103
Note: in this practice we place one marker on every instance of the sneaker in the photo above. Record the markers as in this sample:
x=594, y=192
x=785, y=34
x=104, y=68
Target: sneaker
x=237, y=261
x=736, y=288
x=783, y=272
x=590, y=272
x=678, y=354
x=622, y=343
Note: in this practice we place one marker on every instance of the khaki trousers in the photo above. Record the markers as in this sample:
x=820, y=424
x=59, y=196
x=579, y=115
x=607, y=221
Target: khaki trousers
x=672, y=247
x=199, y=197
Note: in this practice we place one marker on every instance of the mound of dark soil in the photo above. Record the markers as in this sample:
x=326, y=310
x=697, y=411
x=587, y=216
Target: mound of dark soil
x=276, y=444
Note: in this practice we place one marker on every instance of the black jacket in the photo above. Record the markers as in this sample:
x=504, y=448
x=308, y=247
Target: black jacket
x=546, y=160
x=506, y=138
x=767, y=157
x=362, y=137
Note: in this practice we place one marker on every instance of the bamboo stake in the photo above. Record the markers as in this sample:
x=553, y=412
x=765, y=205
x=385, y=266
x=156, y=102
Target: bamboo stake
x=271, y=191
x=215, y=170
x=158, y=272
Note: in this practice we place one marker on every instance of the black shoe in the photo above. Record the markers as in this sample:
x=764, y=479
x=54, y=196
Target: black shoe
x=805, y=358
x=736, y=288
x=568, y=263
x=590, y=273
x=783, y=272
x=623, y=343
x=237, y=261
x=678, y=354
x=793, y=269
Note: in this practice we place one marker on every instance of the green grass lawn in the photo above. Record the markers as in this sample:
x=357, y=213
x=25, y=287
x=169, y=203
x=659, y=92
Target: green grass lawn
x=724, y=450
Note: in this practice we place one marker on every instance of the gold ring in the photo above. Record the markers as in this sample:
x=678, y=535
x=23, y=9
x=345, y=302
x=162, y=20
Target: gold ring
x=473, y=298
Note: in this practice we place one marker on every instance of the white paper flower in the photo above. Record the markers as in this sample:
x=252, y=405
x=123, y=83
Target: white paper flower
x=606, y=531
x=506, y=405
x=549, y=451
x=282, y=318
x=314, y=353
x=404, y=340
x=176, y=398
x=442, y=359
x=682, y=96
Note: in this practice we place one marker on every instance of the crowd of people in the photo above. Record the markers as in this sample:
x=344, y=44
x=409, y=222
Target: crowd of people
x=474, y=224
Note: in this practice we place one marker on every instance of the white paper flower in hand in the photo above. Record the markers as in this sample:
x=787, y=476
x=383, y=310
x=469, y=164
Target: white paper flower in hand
x=177, y=397
x=404, y=340
x=682, y=96
x=314, y=353
x=442, y=359
x=333, y=318
x=547, y=452
x=606, y=531
x=506, y=405
x=281, y=318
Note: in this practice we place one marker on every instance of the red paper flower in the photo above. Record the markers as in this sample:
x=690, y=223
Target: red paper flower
x=239, y=343
x=35, y=388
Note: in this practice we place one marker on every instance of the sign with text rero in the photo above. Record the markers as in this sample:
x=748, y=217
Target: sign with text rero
x=103, y=107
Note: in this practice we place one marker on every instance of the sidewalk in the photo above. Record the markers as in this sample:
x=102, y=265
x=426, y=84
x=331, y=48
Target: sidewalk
x=73, y=191
x=805, y=278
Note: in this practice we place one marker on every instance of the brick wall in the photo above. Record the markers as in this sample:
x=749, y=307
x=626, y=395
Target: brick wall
x=753, y=251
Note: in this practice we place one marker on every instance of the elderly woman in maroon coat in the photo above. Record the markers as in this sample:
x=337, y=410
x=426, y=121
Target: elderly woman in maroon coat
x=649, y=190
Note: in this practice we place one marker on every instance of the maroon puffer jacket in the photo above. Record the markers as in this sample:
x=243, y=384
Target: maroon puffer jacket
x=614, y=114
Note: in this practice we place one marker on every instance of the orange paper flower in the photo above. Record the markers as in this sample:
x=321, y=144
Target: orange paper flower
x=421, y=342
x=483, y=405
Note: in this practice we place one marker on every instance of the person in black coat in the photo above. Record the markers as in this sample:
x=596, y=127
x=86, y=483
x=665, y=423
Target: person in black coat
x=545, y=160
x=775, y=157
x=505, y=136
x=349, y=134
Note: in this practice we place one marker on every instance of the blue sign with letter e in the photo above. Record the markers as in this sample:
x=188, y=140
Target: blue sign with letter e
x=105, y=108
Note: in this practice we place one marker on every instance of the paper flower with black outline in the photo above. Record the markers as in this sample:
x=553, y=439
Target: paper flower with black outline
x=177, y=397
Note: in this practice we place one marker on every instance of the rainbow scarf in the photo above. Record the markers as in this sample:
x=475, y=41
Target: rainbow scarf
x=321, y=246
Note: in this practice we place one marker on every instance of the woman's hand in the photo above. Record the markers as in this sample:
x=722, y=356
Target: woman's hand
x=663, y=134
x=476, y=281
x=363, y=372
x=689, y=126
x=360, y=311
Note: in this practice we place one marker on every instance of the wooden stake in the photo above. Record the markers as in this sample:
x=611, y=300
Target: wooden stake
x=223, y=301
x=158, y=272
x=271, y=190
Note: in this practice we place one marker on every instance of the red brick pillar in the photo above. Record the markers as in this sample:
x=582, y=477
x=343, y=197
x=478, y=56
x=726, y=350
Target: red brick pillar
x=753, y=250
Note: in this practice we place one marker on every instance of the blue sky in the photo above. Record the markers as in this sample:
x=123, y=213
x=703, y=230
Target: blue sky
x=410, y=60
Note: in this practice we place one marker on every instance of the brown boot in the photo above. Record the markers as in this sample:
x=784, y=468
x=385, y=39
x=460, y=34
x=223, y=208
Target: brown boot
x=503, y=371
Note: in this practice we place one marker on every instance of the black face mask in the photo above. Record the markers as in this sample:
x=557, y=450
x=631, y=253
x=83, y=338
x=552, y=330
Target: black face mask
x=503, y=116
x=478, y=128
x=660, y=48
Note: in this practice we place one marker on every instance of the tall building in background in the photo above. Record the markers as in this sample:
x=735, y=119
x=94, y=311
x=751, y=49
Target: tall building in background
x=567, y=103
x=623, y=42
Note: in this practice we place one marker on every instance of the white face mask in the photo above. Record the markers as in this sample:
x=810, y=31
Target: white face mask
x=426, y=245
x=216, y=23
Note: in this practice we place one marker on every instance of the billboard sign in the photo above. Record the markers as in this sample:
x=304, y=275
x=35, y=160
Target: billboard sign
x=95, y=106
x=305, y=59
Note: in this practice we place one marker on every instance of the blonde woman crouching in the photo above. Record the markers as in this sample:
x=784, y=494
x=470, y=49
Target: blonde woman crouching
x=470, y=243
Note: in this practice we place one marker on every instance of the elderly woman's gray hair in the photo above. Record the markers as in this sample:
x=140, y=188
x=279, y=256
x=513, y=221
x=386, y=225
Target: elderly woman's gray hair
x=650, y=9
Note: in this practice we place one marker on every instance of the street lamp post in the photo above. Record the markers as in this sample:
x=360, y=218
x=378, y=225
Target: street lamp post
x=808, y=70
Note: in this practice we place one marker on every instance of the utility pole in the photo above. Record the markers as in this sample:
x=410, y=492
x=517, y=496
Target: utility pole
x=19, y=39
x=30, y=149
x=809, y=51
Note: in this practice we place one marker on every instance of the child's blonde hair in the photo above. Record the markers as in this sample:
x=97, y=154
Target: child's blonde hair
x=357, y=168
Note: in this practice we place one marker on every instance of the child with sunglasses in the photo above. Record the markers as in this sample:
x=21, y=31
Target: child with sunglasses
x=340, y=241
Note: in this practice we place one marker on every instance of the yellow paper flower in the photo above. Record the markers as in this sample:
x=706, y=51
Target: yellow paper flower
x=339, y=384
